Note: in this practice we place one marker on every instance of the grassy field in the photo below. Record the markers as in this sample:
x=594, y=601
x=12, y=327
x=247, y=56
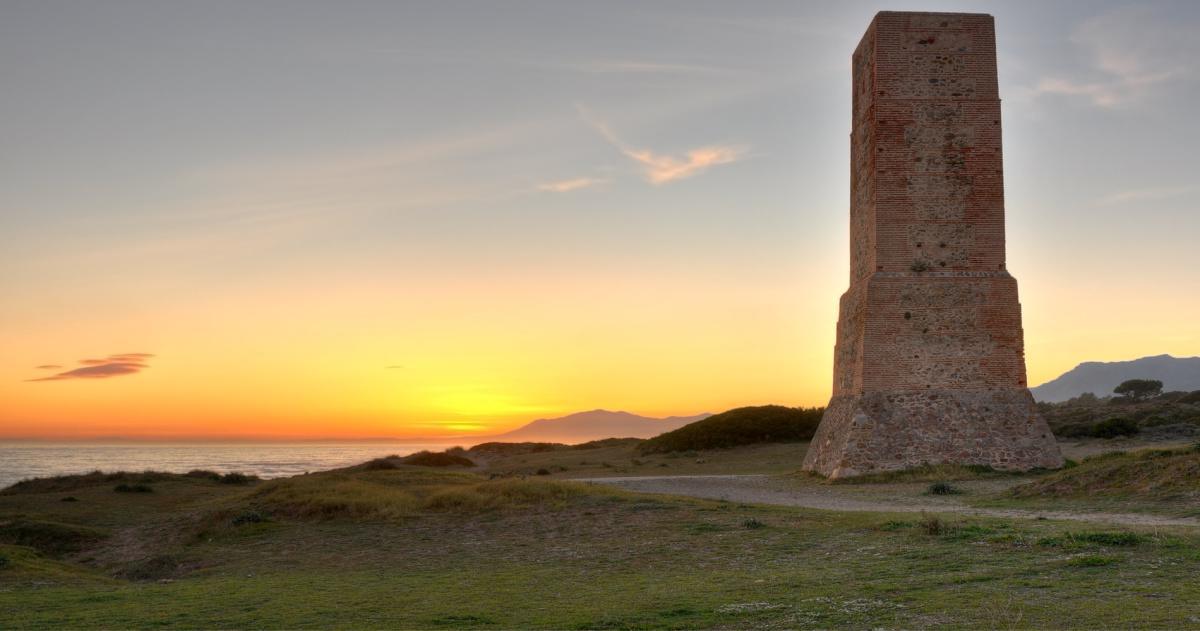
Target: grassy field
x=624, y=459
x=419, y=548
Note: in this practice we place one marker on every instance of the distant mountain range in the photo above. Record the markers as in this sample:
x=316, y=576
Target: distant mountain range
x=594, y=425
x=1099, y=378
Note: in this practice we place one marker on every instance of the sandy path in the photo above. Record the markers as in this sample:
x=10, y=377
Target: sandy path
x=763, y=489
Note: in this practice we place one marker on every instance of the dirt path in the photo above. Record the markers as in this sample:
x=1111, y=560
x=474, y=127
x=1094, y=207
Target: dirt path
x=763, y=489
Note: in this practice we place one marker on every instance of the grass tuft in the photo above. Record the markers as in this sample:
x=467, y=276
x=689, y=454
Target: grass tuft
x=1093, y=560
x=942, y=488
x=1098, y=538
x=933, y=525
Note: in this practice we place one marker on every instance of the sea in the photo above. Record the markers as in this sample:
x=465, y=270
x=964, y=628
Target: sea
x=23, y=460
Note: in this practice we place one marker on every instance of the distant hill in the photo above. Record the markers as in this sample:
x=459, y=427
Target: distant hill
x=587, y=426
x=1099, y=378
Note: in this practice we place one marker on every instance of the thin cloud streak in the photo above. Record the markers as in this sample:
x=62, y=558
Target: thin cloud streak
x=574, y=184
x=1145, y=194
x=660, y=169
x=112, y=366
x=1134, y=51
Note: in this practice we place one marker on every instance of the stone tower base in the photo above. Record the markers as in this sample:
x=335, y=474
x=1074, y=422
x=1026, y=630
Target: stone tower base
x=877, y=432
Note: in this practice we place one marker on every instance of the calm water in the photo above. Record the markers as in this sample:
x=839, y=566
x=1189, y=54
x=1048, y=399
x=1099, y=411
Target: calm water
x=19, y=461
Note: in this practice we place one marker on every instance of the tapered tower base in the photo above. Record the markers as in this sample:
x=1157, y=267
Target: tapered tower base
x=880, y=432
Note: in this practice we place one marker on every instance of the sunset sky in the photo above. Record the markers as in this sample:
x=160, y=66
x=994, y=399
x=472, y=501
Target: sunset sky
x=290, y=219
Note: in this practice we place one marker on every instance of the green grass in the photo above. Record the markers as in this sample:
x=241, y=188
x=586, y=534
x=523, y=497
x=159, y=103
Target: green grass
x=415, y=548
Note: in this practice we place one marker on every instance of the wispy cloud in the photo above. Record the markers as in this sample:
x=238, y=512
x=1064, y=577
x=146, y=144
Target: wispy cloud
x=48, y=367
x=111, y=366
x=1145, y=194
x=1133, y=50
x=574, y=184
x=630, y=66
x=660, y=168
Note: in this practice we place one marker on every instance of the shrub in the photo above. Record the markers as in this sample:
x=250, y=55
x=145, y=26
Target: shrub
x=1114, y=427
x=437, y=459
x=69, y=498
x=48, y=537
x=381, y=464
x=753, y=524
x=740, y=426
x=203, y=474
x=543, y=472
x=3, y=561
x=1191, y=398
x=237, y=478
x=942, y=488
x=249, y=517
x=133, y=488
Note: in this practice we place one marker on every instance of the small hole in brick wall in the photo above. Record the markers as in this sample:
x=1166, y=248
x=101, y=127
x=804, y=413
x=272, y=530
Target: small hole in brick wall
x=918, y=245
x=924, y=330
x=907, y=315
x=942, y=244
x=942, y=263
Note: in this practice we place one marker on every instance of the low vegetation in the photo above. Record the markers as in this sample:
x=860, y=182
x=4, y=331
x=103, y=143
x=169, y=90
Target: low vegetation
x=1150, y=472
x=437, y=459
x=514, y=449
x=1140, y=412
x=402, y=493
x=51, y=538
x=737, y=427
x=937, y=474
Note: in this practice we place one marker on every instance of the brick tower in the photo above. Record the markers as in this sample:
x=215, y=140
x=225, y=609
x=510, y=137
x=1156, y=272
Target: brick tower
x=929, y=365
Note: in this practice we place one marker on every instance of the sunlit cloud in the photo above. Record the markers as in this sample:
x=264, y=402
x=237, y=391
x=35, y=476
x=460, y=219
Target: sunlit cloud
x=48, y=367
x=1132, y=51
x=659, y=168
x=112, y=366
x=566, y=186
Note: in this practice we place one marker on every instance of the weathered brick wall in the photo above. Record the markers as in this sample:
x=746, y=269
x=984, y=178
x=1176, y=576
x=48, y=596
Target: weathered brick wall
x=930, y=308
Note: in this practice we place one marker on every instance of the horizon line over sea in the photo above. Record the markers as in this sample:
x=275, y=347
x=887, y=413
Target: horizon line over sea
x=22, y=460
